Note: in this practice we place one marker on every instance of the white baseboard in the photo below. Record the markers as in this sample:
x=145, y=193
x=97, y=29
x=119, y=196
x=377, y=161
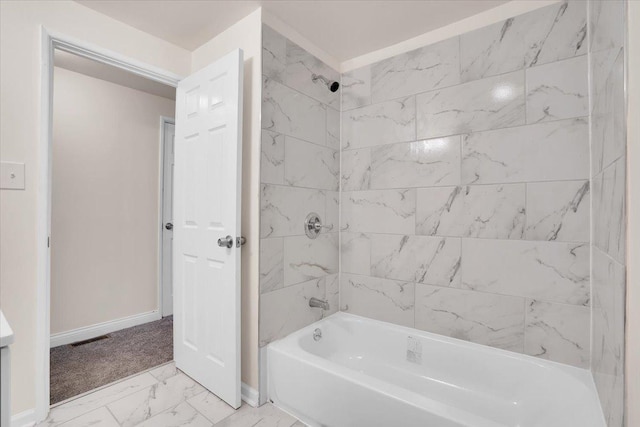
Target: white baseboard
x=24, y=419
x=249, y=395
x=96, y=330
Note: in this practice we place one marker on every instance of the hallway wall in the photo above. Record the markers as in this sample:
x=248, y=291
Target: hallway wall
x=105, y=199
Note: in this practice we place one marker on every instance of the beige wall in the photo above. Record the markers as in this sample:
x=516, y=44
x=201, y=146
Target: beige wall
x=633, y=240
x=104, y=222
x=246, y=35
x=19, y=136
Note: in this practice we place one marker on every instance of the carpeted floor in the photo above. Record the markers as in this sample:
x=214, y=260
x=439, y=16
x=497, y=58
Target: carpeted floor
x=75, y=370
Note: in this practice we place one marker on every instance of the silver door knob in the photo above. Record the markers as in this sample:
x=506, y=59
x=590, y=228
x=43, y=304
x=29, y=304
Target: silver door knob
x=168, y=226
x=226, y=242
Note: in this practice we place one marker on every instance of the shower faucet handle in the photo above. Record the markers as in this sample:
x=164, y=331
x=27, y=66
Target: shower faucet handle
x=313, y=225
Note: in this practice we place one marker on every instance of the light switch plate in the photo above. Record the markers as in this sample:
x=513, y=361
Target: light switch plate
x=11, y=176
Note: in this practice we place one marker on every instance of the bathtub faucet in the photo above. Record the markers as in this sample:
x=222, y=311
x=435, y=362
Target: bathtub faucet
x=315, y=302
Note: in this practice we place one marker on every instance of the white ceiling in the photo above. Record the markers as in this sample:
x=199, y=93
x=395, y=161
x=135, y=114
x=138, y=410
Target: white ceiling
x=111, y=74
x=344, y=29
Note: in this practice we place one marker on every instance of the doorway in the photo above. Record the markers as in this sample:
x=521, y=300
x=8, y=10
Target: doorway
x=111, y=290
x=208, y=133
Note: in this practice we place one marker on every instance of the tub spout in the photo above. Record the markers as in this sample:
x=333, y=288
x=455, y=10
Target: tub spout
x=315, y=302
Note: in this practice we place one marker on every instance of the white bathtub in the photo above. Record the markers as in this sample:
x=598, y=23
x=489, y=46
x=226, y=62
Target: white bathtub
x=358, y=374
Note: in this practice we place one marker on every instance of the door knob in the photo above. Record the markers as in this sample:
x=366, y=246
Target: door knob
x=227, y=242
x=168, y=226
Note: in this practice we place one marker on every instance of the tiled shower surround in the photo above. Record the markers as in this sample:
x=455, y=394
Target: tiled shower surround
x=608, y=160
x=300, y=170
x=464, y=189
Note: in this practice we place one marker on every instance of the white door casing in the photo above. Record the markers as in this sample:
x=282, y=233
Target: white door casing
x=168, y=135
x=206, y=276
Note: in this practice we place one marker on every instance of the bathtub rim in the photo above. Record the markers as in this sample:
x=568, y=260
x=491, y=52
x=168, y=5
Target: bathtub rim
x=289, y=347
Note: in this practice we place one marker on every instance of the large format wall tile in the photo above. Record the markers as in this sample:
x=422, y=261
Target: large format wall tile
x=272, y=160
x=419, y=70
x=559, y=90
x=271, y=264
x=306, y=259
x=310, y=165
x=491, y=103
x=608, y=282
x=444, y=151
x=549, y=34
x=355, y=253
x=287, y=111
x=286, y=310
x=356, y=169
x=608, y=140
x=543, y=152
x=384, y=123
x=300, y=174
x=557, y=332
x=484, y=211
x=494, y=320
x=608, y=334
x=606, y=24
x=558, y=211
x=382, y=299
x=439, y=210
x=332, y=290
x=284, y=209
x=274, y=54
x=608, y=375
x=423, y=163
x=333, y=128
x=301, y=66
x=609, y=210
x=379, y=211
x=332, y=212
x=547, y=271
x=423, y=259
x=493, y=211
x=356, y=88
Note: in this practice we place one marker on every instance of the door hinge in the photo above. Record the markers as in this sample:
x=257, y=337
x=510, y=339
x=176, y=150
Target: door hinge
x=48, y=242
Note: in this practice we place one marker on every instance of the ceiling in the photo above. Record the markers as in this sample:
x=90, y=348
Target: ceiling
x=344, y=29
x=112, y=74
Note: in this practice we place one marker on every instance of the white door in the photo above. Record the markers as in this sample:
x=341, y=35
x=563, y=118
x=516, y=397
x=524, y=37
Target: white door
x=168, y=135
x=206, y=273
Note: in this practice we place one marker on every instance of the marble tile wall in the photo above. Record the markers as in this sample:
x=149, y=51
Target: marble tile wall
x=465, y=186
x=607, y=20
x=300, y=168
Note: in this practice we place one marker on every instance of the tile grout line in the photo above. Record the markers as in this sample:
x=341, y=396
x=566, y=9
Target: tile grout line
x=473, y=132
x=464, y=289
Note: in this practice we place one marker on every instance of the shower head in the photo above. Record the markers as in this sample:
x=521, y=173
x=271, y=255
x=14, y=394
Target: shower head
x=332, y=85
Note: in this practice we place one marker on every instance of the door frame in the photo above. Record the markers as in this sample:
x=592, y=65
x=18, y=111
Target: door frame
x=163, y=121
x=49, y=41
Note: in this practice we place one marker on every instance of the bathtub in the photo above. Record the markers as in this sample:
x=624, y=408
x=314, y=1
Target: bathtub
x=363, y=372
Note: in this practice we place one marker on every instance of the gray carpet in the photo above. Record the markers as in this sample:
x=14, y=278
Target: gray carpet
x=75, y=370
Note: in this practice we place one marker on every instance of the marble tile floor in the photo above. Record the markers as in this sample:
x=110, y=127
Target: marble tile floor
x=161, y=397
